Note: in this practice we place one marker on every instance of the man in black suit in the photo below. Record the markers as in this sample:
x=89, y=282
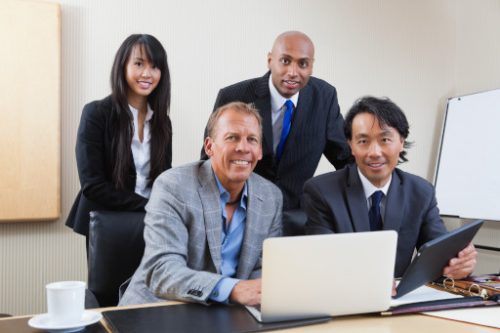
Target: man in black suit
x=315, y=126
x=346, y=200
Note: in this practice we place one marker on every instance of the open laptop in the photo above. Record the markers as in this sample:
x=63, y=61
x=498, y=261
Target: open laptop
x=434, y=255
x=326, y=275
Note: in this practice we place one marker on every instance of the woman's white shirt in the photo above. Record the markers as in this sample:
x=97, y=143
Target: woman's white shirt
x=141, y=152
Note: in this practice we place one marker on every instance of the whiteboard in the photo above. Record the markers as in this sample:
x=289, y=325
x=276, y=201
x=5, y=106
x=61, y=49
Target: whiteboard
x=468, y=172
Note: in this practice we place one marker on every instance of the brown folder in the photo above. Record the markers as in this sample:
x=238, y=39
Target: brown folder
x=480, y=290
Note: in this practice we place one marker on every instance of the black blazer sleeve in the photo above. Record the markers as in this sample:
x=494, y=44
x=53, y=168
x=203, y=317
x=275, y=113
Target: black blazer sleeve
x=318, y=213
x=94, y=157
x=337, y=150
x=432, y=225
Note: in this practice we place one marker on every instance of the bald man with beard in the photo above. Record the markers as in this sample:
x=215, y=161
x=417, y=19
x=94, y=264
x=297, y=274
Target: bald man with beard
x=315, y=127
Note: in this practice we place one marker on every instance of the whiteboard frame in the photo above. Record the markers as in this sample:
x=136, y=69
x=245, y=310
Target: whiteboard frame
x=485, y=207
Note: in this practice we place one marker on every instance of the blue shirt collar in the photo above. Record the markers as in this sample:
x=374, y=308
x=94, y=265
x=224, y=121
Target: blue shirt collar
x=225, y=196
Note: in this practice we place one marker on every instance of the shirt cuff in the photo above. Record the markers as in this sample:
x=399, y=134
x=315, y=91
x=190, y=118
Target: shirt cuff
x=222, y=290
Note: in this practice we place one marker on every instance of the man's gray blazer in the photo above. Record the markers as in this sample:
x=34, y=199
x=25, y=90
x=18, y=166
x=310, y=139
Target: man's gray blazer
x=183, y=228
x=335, y=202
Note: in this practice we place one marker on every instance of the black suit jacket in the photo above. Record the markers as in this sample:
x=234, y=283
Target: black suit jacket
x=94, y=157
x=317, y=128
x=335, y=202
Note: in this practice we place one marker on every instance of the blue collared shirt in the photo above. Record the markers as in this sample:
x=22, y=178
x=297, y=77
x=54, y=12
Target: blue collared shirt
x=232, y=239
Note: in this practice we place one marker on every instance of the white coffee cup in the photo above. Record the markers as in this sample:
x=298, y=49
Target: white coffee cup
x=65, y=302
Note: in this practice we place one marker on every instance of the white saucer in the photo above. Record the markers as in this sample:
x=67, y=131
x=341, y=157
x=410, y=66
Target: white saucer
x=43, y=322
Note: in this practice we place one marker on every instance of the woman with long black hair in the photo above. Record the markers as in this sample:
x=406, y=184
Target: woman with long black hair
x=124, y=141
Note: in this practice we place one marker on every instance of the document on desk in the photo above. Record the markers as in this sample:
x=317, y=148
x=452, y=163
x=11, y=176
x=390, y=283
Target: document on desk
x=423, y=294
x=427, y=299
x=487, y=316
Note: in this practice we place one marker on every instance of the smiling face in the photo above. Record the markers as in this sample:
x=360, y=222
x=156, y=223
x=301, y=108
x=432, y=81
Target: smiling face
x=375, y=147
x=234, y=148
x=141, y=75
x=291, y=62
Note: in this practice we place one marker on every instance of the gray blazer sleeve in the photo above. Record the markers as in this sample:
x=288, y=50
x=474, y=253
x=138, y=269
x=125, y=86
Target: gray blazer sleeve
x=168, y=227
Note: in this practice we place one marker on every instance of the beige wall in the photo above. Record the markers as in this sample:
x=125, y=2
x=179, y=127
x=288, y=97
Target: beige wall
x=419, y=53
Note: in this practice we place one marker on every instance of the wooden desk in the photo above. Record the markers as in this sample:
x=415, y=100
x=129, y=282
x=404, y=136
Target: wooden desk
x=350, y=324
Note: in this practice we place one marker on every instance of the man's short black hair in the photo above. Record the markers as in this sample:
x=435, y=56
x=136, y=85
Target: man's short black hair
x=386, y=112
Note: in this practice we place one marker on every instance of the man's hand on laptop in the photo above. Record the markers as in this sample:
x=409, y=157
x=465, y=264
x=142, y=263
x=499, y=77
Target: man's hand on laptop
x=246, y=292
x=463, y=264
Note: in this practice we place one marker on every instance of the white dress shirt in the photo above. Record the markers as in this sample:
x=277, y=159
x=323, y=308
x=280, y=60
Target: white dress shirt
x=141, y=152
x=278, y=109
x=369, y=189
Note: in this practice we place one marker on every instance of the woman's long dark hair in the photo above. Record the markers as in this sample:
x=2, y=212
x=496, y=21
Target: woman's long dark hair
x=159, y=101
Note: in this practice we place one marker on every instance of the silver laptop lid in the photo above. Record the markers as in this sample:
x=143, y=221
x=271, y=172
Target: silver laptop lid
x=327, y=275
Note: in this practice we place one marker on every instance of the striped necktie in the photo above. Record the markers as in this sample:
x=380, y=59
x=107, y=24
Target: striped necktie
x=287, y=123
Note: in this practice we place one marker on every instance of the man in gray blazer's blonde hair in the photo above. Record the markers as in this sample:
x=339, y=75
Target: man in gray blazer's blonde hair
x=206, y=221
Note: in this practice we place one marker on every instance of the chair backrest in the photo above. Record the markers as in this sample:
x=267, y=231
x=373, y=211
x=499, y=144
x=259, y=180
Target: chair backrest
x=116, y=246
x=294, y=222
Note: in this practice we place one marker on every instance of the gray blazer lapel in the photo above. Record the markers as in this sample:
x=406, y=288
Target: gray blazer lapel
x=395, y=202
x=256, y=229
x=356, y=201
x=211, y=212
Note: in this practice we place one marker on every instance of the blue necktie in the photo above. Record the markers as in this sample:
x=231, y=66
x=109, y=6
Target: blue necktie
x=374, y=213
x=287, y=122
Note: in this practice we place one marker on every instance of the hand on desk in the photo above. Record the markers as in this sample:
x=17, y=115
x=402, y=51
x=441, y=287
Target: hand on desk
x=463, y=264
x=246, y=292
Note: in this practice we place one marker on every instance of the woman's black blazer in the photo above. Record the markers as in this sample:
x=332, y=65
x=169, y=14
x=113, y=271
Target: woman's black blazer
x=94, y=158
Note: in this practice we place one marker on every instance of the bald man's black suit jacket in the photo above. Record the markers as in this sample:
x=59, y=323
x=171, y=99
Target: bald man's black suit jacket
x=317, y=128
x=335, y=202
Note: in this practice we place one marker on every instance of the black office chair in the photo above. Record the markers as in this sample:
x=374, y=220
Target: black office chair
x=116, y=246
x=294, y=222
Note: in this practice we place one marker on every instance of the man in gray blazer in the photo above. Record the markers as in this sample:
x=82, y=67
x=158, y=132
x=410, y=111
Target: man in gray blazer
x=206, y=221
x=345, y=200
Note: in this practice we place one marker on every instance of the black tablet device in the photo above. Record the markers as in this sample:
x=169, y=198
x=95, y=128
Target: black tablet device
x=434, y=255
